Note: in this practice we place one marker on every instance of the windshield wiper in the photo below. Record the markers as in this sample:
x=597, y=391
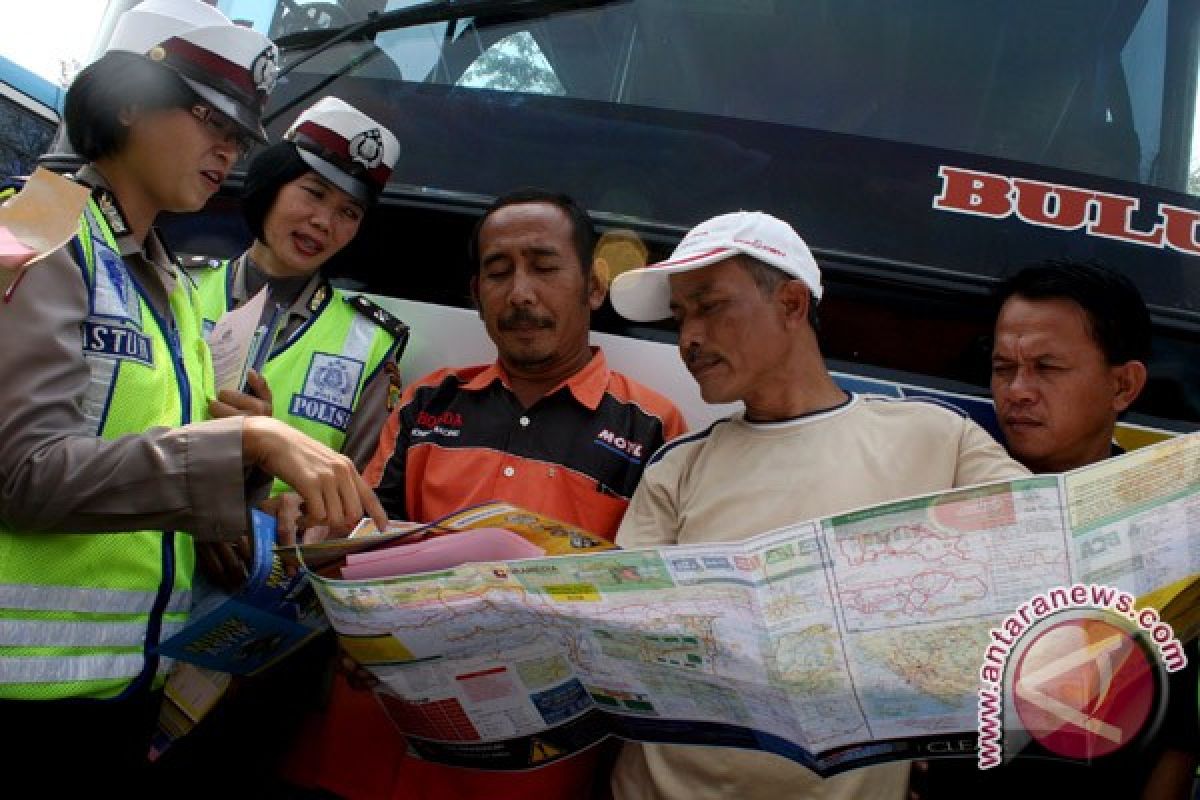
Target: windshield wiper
x=424, y=13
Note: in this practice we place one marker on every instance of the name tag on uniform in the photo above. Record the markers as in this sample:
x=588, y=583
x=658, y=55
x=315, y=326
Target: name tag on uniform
x=329, y=389
x=117, y=341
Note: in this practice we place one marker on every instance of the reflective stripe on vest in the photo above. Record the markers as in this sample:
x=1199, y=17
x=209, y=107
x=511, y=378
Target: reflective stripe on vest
x=59, y=592
x=71, y=669
x=69, y=633
x=38, y=597
x=359, y=339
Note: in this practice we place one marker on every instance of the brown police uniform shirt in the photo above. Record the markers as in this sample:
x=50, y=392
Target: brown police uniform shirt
x=371, y=411
x=56, y=474
x=737, y=479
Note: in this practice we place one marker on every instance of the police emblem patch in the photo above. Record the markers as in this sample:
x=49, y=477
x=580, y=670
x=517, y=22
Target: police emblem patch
x=332, y=377
x=265, y=69
x=114, y=296
x=367, y=148
x=329, y=389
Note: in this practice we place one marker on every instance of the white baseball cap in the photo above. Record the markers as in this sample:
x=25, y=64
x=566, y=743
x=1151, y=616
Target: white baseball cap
x=230, y=67
x=346, y=147
x=644, y=295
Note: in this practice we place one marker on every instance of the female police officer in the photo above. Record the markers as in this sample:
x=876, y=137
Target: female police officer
x=104, y=459
x=304, y=199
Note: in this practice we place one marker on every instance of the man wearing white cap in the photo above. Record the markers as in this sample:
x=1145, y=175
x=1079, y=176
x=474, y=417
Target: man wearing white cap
x=743, y=289
x=107, y=450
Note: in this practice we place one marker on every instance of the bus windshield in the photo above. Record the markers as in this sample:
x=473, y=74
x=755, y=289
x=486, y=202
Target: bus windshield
x=1069, y=129
x=1103, y=87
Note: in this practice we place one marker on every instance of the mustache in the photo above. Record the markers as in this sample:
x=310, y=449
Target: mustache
x=523, y=317
x=693, y=355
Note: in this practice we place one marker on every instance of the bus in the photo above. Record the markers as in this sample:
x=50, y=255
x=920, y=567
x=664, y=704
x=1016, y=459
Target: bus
x=29, y=116
x=923, y=148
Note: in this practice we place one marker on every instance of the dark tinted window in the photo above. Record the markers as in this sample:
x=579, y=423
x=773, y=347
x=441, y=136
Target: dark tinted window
x=1087, y=85
x=24, y=135
x=832, y=114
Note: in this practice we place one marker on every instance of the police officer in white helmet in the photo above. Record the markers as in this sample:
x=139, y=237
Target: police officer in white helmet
x=304, y=200
x=109, y=465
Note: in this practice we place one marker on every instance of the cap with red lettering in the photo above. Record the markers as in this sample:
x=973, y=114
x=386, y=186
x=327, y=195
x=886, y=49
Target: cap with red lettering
x=346, y=147
x=644, y=294
x=229, y=67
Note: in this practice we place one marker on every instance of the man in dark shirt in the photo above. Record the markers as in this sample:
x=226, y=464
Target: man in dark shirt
x=1071, y=345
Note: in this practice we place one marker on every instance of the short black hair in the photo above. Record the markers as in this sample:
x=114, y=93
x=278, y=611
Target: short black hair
x=270, y=170
x=583, y=233
x=112, y=83
x=1117, y=316
x=768, y=278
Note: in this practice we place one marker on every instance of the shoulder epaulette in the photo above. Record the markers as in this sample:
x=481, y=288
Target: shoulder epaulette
x=380, y=316
x=195, y=261
x=106, y=201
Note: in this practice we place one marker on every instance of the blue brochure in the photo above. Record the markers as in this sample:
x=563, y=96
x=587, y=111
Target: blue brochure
x=263, y=622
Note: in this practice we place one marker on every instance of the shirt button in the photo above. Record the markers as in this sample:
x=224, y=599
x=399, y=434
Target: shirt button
x=509, y=472
x=524, y=422
x=552, y=472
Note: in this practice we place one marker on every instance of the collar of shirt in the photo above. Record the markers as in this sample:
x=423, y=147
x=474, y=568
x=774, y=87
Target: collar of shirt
x=154, y=250
x=300, y=309
x=587, y=385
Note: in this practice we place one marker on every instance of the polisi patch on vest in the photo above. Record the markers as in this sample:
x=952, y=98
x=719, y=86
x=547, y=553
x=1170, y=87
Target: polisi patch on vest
x=329, y=389
x=625, y=448
x=117, y=341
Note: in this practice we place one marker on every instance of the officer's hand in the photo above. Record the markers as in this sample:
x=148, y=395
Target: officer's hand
x=331, y=490
x=232, y=403
x=286, y=508
x=224, y=563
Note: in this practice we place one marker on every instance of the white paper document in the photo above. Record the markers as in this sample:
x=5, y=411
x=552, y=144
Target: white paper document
x=234, y=340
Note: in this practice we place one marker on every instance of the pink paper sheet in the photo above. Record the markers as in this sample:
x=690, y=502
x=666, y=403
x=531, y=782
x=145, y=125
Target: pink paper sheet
x=442, y=552
x=12, y=246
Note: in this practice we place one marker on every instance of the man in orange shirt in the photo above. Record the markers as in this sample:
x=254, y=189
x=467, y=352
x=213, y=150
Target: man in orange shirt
x=548, y=427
